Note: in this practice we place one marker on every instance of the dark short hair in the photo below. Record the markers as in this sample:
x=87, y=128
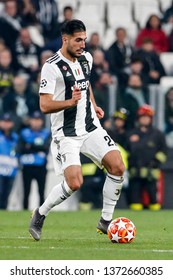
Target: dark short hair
x=66, y=8
x=120, y=29
x=72, y=26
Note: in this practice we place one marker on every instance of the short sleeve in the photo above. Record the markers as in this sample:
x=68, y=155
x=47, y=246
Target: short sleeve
x=48, y=79
x=90, y=59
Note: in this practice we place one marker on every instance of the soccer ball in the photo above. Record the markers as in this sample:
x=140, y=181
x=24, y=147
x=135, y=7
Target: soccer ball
x=121, y=230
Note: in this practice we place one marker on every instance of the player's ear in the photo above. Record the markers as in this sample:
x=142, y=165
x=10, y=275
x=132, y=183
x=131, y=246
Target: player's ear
x=64, y=38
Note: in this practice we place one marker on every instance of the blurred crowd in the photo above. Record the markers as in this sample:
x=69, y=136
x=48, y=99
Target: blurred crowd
x=29, y=34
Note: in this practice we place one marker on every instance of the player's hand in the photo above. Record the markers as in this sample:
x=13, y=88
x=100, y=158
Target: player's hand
x=99, y=112
x=76, y=95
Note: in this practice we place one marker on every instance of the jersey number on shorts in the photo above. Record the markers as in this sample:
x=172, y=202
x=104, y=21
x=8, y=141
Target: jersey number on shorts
x=109, y=141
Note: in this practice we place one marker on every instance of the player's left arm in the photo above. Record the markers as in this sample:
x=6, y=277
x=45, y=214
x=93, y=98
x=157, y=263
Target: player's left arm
x=98, y=110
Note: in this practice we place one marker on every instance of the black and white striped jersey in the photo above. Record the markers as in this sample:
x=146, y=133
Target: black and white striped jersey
x=58, y=76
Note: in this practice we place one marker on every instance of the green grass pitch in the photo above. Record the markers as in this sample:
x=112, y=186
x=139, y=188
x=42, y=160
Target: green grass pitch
x=73, y=236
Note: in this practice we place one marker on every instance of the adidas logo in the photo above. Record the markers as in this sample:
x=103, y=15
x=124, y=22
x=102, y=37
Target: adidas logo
x=68, y=74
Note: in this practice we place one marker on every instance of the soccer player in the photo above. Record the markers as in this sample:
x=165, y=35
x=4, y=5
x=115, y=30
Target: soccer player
x=65, y=92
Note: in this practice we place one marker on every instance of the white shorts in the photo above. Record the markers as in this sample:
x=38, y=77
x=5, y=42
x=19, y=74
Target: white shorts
x=94, y=145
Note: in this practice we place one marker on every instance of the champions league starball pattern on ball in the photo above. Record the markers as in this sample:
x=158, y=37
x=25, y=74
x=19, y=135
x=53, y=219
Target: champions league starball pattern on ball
x=121, y=230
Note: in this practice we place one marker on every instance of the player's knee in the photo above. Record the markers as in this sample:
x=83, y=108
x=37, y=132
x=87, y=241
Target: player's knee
x=121, y=169
x=75, y=183
x=74, y=178
x=117, y=169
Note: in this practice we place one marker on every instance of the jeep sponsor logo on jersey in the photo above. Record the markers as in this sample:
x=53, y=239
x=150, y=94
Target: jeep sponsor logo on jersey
x=83, y=85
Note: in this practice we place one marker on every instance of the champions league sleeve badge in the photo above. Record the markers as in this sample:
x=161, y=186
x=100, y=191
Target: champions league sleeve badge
x=43, y=83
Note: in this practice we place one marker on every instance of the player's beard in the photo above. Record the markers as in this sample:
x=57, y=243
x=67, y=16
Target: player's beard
x=72, y=54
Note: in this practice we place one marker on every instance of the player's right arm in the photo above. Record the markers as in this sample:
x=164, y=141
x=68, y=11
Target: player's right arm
x=48, y=105
x=46, y=91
